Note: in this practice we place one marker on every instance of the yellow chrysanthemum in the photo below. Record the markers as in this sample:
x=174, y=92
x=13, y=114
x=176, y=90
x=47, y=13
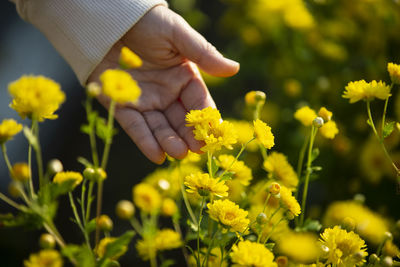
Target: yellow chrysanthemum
x=62, y=177
x=209, y=129
x=368, y=224
x=305, y=115
x=279, y=169
x=253, y=98
x=325, y=114
x=120, y=86
x=102, y=248
x=289, y=243
x=329, y=130
x=165, y=239
x=345, y=248
x=247, y=253
x=204, y=185
x=240, y=171
x=45, y=258
x=168, y=207
x=146, y=249
x=263, y=134
x=245, y=132
x=9, y=128
x=146, y=198
x=20, y=172
x=289, y=201
x=229, y=215
x=361, y=90
x=128, y=59
x=394, y=72
x=214, y=258
x=36, y=97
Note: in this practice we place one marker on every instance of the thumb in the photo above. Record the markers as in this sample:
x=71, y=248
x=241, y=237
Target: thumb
x=195, y=47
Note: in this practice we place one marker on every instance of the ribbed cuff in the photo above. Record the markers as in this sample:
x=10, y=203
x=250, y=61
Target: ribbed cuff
x=83, y=31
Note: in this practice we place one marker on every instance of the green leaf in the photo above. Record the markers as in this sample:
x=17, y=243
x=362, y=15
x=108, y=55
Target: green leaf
x=84, y=162
x=369, y=122
x=312, y=225
x=79, y=254
x=270, y=246
x=388, y=129
x=91, y=226
x=226, y=176
x=119, y=246
x=28, y=219
x=214, y=166
x=31, y=137
x=57, y=189
x=314, y=154
x=101, y=129
x=167, y=263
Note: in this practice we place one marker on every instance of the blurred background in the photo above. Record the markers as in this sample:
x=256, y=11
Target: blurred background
x=298, y=52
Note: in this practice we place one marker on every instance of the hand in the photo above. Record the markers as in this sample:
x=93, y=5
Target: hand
x=170, y=81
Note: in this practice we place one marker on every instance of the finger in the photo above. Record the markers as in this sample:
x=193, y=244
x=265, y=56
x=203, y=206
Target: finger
x=176, y=115
x=167, y=138
x=133, y=123
x=196, y=96
x=196, y=48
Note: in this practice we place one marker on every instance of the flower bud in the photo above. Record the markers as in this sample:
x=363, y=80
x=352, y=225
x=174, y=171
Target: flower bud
x=163, y=184
x=125, y=209
x=387, y=261
x=274, y=189
x=104, y=223
x=360, y=198
x=88, y=173
x=262, y=218
x=100, y=175
x=168, y=207
x=324, y=251
x=254, y=98
x=318, y=122
x=47, y=241
x=20, y=172
x=388, y=236
x=282, y=261
x=54, y=166
x=349, y=223
x=398, y=225
x=14, y=190
x=289, y=215
x=373, y=259
x=93, y=89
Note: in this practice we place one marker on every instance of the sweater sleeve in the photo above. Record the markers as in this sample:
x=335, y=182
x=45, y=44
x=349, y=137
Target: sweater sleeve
x=83, y=31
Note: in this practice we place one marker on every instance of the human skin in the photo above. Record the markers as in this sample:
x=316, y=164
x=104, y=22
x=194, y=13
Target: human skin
x=170, y=81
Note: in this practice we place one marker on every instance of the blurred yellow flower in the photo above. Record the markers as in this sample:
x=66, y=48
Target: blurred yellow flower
x=345, y=248
x=120, y=86
x=361, y=90
x=245, y=132
x=62, y=177
x=229, y=215
x=240, y=171
x=9, y=128
x=288, y=244
x=292, y=87
x=128, y=59
x=146, y=198
x=329, y=130
x=20, y=172
x=394, y=72
x=165, y=239
x=289, y=201
x=325, y=114
x=279, y=169
x=390, y=249
x=146, y=249
x=253, y=98
x=263, y=134
x=204, y=185
x=102, y=248
x=247, y=253
x=36, y=97
x=368, y=224
x=168, y=207
x=305, y=115
x=45, y=258
x=214, y=258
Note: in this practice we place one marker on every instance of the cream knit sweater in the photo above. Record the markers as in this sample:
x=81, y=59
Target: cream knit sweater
x=83, y=31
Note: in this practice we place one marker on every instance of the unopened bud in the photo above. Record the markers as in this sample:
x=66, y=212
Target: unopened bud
x=94, y=175
x=253, y=98
x=93, y=89
x=349, y=223
x=100, y=174
x=373, y=259
x=14, y=189
x=47, y=241
x=20, y=172
x=262, y=218
x=282, y=261
x=388, y=236
x=318, y=122
x=324, y=251
x=360, y=198
x=274, y=189
x=104, y=223
x=54, y=166
x=125, y=209
x=387, y=261
x=88, y=173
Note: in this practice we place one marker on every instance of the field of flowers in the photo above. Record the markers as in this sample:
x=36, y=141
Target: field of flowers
x=301, y=168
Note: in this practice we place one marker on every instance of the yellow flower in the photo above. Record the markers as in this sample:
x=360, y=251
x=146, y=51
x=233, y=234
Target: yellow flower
x=146, y=249
x=168, y=207
x=240, y=171
x=206, y=117
x=167, y=239
x=128, y=59
x=329, y=130
x=146, y=198
x=361, y=90
x=247, y=253
x=394, y=72
x=253, y=98
x=368, y=224
x=278, y=168
x=20, y=172
x=345, y=248
x=204, y=185
x=229, y=215
x=9, y=128
x=36, y=97
x=102, y=248
x=391, y=250
x=62, y=177
x=45, y=258
x=245, y=132
x=289, y=243
x=305, y=115
x=289, y=201
x=325, y=114
x=263, y=134
x=214, y=258
x=119, y=86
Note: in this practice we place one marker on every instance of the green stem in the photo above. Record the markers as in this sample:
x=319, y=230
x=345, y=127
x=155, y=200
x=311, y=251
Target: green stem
x=78, y=220
x=263, y=152
x=209, y=163
x=179, y=231
x=92, y=137
x=272, y=230
x=31, y=190
x=266, y=201
x=9, y=201
x=89, y=201
x=136, y=225
x=198, y=231
x=51, y=228
x=185, y=200
x=301, y=157
x=6, y=159
x=209, y=249
x=308, y=173
x=98, y=209
x=83, y=199
x=110, y=123
x=384, y=112
x=38, y=154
